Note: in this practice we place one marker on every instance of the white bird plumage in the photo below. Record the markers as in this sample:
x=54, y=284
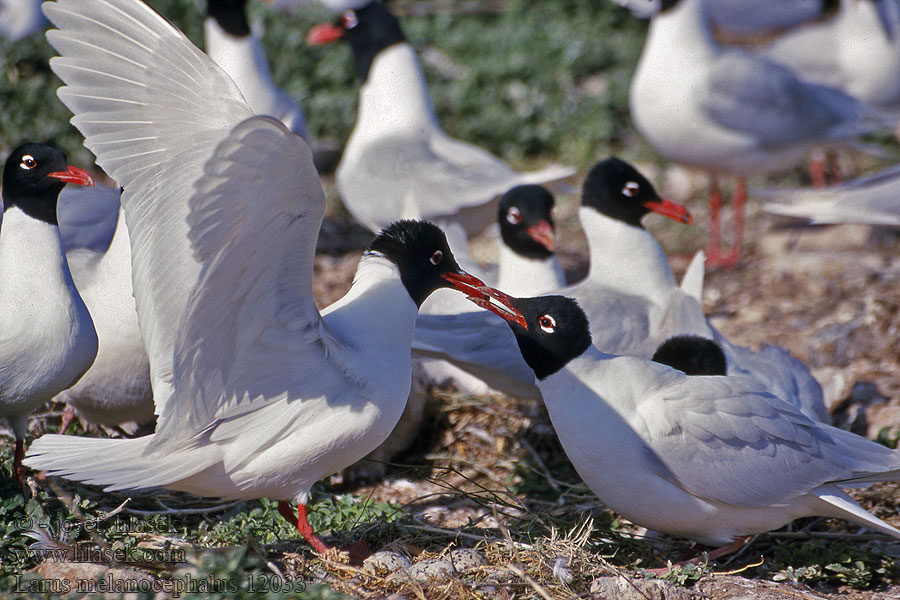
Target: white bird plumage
x=728, y=112
x=630, y=295
x=241, y=55
x=47, y=338
x=258, y=394
x=398, y=162
x=710, y=458
x=116, y=389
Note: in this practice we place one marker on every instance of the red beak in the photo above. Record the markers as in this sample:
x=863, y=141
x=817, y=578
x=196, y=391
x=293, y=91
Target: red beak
x=324, y=34
x=543, y=234
x=486, y=297
x=676, y=212
x=73, y=175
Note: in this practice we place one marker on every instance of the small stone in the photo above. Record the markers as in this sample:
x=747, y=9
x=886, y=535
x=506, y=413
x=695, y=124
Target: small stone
x=385, y=561
x=464, y=559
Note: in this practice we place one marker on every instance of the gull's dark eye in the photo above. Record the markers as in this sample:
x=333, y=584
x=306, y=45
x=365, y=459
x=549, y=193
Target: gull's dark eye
x=437, y=257
x=631, y=189
x=513, y=215
x=349, y=20
x=28, y=162
x=547, y=323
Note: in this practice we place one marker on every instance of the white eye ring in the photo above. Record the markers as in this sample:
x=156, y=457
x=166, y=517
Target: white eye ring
x=28, y=162
x=349, y=20
x=547, y=323
x=513, y=215
x=631, y=189
x=437, y=257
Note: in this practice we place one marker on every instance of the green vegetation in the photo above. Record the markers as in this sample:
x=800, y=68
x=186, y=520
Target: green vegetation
x=537, y=80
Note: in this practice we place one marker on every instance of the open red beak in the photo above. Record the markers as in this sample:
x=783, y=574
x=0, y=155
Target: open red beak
x=543, y=234
x=324, y=34
x=676, y=212
x=73, y=175
x=486, y=297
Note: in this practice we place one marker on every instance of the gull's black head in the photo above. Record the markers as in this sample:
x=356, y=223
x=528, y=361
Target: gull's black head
x=230, y=16
x=421, y=253
x=616, y=189
x=33, y=177
x=526, y=222
x=368, y=30
x=693, y=355
x=557, y=331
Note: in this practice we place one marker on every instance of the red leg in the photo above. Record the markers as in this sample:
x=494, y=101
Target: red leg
x=715, y=207
x=817, y=168
x=302, y=525
x=18, y=469
x=715, y=256
x=67, y=418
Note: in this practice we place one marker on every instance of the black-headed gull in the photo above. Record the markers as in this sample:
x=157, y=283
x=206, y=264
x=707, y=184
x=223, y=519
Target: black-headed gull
x=692, y=355
x=705, y=457
x=258, y=393
x=631, y=296
x=870, y=200
x=47, y=339
x=526, y=264
x=229, y=41
x=116, y=389
x=398, y=162
x=857, y=51
x=728, y=112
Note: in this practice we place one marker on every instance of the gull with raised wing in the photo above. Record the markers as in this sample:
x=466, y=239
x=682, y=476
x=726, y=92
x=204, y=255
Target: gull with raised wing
x=47, y=339
x=258, y=393
x=709, y=458
x=398, y=162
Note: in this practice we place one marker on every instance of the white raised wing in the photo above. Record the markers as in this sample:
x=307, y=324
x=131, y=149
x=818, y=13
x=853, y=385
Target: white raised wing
x=152, y=108
x=251, y=330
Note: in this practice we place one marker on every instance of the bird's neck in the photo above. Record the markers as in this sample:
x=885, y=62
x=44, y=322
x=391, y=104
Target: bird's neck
x=242, y=57
x=522, y=276
x=394, y=98
x=32, y=260
x=626, y=258
x=681, y=34
x=376, y=316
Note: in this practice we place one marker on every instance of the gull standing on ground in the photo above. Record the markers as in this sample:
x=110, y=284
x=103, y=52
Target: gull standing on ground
x=631, y=296
x=116, y=389
x=47, y=339
x=258, y=393
x=710, y=458
x=728, y=112
x=398, y=162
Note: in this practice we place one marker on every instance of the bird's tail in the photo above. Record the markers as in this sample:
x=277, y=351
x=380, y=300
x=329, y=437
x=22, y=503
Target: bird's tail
x=844, y=507
x=117, y=464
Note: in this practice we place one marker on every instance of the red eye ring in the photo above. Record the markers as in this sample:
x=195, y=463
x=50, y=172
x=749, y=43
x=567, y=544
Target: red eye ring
x=547, y=323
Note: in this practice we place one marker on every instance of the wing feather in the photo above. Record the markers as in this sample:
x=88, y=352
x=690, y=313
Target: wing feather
x=153, y=108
